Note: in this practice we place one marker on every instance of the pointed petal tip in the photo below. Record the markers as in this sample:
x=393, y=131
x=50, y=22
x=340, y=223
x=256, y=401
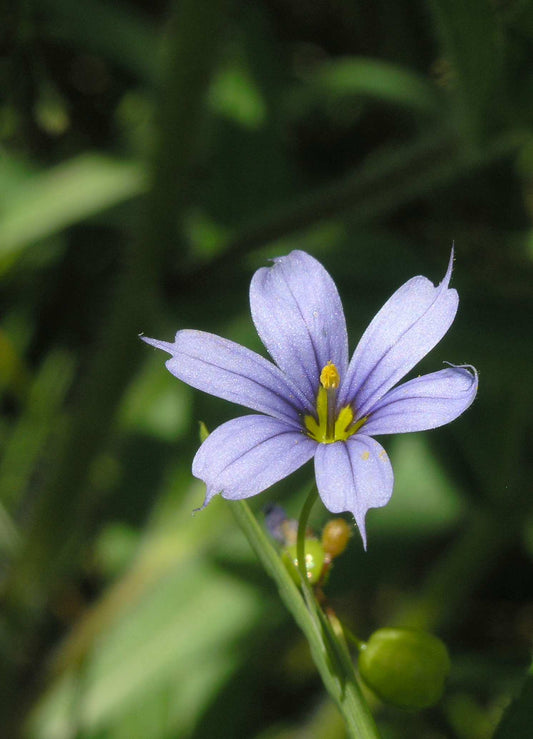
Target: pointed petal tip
x=405, y=329
x=447, y=277
x=166, y=346
x=209, y=495
x=354, y=476
x=361, y=525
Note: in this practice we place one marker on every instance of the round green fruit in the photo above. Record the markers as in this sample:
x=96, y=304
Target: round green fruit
x=314, y=561
x=405, y=668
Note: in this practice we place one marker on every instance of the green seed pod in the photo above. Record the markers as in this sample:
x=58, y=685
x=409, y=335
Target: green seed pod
x=405, y=668
x=314, y=561
x=335, y=536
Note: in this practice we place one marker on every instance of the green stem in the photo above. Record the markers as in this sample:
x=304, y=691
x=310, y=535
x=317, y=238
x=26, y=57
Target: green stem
x=300, y=540
x=337, y=673
x=309, y=597
x=351, y=637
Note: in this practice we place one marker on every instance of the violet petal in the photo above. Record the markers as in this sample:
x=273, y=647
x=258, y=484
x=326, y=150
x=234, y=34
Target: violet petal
x=354, y=475
x=246, y=455
x=425, y=402
x=408, y=326
x=232, y=372
x=298, y=315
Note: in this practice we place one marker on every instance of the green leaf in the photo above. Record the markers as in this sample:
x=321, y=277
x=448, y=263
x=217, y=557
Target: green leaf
x=179, y=639
x=380, y=80
x=168, y=630
x=517, y=721
x=235, y=94
x=46, y=202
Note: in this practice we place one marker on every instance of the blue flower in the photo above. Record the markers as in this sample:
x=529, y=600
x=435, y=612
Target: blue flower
x=314, y=401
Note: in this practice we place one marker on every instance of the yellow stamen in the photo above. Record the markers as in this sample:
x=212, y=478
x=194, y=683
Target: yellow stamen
x=329, y=377
x=331, y=427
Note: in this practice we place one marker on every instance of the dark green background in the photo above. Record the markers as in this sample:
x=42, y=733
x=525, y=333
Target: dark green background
x=153, y=155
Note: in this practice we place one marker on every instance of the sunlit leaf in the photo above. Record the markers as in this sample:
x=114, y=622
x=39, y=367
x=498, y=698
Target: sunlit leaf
x=49, y=201
x=379, y=80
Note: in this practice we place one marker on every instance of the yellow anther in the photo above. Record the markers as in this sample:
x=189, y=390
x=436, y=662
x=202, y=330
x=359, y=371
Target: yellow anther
x=329, y=377
x=330, y=424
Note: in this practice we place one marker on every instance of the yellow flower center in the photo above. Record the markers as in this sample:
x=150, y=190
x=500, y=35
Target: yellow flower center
x=331, y=427
x=329, y=377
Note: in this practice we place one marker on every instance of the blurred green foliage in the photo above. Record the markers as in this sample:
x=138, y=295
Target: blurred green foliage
x=152, y=156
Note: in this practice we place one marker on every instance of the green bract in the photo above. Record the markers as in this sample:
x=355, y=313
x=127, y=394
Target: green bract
x=405, y=668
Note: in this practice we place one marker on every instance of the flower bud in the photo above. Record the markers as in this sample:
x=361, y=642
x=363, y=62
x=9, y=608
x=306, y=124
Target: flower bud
x=314, y=561
x=405, y=668
x=275, y=520
x=335, y=536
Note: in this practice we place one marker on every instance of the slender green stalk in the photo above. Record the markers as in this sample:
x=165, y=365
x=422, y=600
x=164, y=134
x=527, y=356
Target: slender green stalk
x=320, y=622
x=351, y=637
x=337, y=673
x=337, y=650
x=300, y=549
